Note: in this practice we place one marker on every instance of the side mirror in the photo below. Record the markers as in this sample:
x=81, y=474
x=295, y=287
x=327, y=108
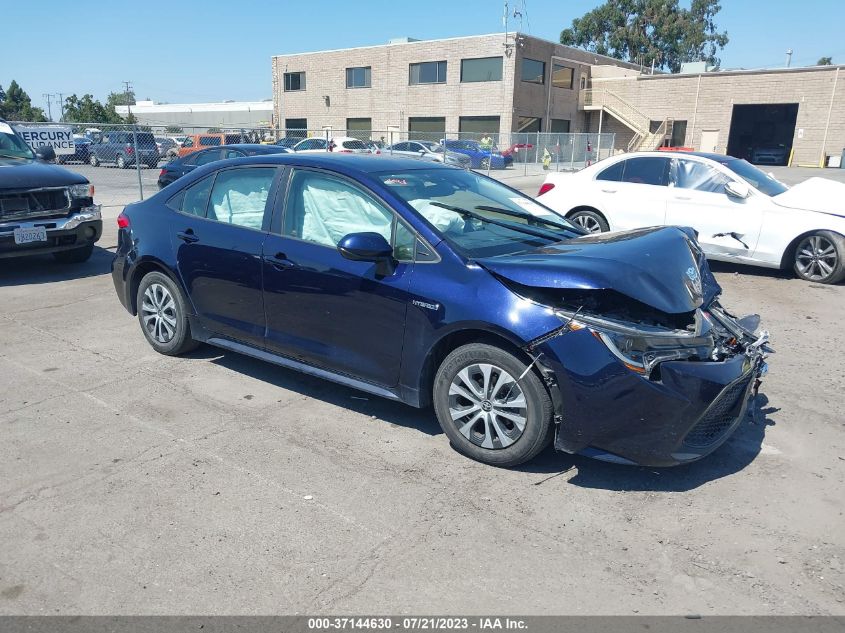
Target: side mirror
x=365, y=247
x=423, y=152
x=46, y=153
x=737, y=189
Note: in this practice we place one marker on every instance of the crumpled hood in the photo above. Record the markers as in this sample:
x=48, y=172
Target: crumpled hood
x=17, y=173
x=815, y=194
x=655, y=266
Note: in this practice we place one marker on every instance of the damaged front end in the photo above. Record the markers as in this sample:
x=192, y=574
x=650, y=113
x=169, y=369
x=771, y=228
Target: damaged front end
x=643, y=388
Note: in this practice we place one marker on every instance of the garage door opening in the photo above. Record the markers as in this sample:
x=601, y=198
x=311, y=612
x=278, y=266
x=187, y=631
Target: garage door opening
x=762, y=133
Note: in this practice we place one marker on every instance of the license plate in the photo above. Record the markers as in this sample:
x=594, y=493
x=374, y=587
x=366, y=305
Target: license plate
x=35, y=234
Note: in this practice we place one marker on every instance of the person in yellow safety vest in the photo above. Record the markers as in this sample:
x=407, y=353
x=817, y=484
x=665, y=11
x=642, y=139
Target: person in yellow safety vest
x=547, y=158
x=486, y=142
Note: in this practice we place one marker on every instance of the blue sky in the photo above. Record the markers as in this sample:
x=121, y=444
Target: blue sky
x=212, y=50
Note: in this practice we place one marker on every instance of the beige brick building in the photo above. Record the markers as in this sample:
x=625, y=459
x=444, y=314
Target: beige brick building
x=506, y=83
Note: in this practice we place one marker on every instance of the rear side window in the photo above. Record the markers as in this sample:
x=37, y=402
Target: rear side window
x=209, y=140
x=145, y=140
x=239, y=196
x=356, y=144
x=210, y=156
x=194, y=199
x=614, y=172
x=647, y=171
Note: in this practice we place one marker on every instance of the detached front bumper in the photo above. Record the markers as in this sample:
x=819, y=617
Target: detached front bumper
x=608, y=412
x=77, y=230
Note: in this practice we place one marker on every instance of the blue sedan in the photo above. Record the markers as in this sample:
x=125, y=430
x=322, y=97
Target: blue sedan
x=430, y=285
x=178, y=167
x=481, y=157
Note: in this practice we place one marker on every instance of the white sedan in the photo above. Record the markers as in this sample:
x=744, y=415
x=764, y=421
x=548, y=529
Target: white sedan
x=339, y=144
x=741, y=214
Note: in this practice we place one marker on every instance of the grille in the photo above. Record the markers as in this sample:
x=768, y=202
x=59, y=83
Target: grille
x=719, y=417
x=24, y=204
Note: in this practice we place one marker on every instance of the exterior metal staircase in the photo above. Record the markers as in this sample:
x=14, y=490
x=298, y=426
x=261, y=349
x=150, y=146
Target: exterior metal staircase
x=644, y=139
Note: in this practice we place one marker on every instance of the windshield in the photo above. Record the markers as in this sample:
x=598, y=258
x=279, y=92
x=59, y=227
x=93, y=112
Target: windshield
x=472, y=199
x=431, y=146
x=758, y=179
x=12, y=145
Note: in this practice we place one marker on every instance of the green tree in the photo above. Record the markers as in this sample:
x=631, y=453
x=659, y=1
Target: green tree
x=213, y=130
x=173, y=129
x=823, y=61
x=17, y=106
x=89, y=110
x=642, y=31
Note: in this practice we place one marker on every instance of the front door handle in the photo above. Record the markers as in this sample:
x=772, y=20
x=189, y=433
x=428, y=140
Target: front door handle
x=683, y=197
x=609, y=190
x=280, y=261
x=188, y=236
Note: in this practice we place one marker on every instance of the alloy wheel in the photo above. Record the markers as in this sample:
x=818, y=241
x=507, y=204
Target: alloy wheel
x=816, y=258
x=158, y=311
x=587, y=222
x=487, y=406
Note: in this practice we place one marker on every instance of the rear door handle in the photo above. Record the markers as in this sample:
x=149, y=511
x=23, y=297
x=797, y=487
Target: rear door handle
x=188, y=236
x=280, y=261
x=683, y=198
x=609, y=190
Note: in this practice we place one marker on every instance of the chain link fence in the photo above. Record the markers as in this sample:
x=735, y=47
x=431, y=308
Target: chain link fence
x=123, y=161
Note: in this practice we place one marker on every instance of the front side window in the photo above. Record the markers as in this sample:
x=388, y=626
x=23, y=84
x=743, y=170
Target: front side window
x=188, y=142
x=358, y=77
x=294, y=81
x=203, y=158
x=689, y=174
x=516, y=222
x=427, y=73
x=647, y=171
x=239, y=196
x=482, y=69
x=13, y=145
x=324, y=209
x=562, y=76
x=533, y=71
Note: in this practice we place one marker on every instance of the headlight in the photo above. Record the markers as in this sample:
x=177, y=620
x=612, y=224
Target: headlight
x=642, y=348
x=82, y=191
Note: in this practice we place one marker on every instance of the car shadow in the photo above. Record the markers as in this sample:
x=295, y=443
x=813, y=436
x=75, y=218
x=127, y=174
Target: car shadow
x=392, y=412
x=736, y=454
x=751, y=271
x=42, y=269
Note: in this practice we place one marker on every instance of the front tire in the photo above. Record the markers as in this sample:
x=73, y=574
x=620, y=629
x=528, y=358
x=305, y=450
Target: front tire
x=484, y=164
x=487, y=411
x=121, y=161
x=74, y=256
x=163, y=315
x=820, y=257
x=590, y=220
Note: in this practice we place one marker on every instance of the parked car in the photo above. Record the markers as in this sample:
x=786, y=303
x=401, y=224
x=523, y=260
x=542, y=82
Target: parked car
x=120, y=148
x=338, y=144
x=196, y=142
x=740, y=213
x=375, y=147
x=429, y=150
x=426, y=284
x=167, y=147
x=519, y=152
x=769, y=155
x=81, y=153
x=480, y=158
x=44, y=208
x=177, y=168
x=289, y=141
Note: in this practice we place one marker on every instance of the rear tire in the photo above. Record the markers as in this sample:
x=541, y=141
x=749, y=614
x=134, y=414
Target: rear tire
x=820, y=257
x=487, y=411
x=589, y=220
x=121, y=162
x=484, y=164
x=163, y=315
x=74, y=256
x=94, y=161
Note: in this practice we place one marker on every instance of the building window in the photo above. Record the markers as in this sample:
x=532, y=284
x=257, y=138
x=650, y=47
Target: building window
x=560, y=126
x=529, y=124
x=296, y=127
x=481, y=69
x=359, y=125
x=562, y=76
x=358, y=77
x=427, y=73
x=294, y=82
x=679, y=134
x=533, y=71
x=474, y=125
x=418, y=125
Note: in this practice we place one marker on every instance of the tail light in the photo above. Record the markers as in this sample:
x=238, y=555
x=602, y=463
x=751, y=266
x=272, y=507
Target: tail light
x=378, y=151
x=162, y=173
x=130, y=149
x=546, y=186
x=123, y=221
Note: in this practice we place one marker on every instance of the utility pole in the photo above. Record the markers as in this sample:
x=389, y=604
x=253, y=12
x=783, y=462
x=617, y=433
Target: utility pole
x=61, y=105
x=47, y=96
x=127, y=89
x=788, y=57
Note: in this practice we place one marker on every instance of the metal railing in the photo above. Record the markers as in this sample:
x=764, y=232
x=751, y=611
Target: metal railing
x=122, y=175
